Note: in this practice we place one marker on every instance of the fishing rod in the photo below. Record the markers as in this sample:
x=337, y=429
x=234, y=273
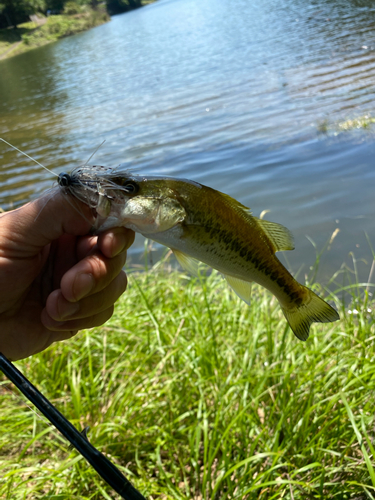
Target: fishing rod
x=104, y=467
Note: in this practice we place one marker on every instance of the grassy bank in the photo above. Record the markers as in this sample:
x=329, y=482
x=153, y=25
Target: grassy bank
x=29, y=36
x=195, y=395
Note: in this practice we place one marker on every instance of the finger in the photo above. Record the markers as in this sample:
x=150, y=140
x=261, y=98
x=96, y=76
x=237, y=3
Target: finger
x=62, y=257
x=115, y=241
x=90, y=275
x=46, y=219
x=58, y=309
x=110, y=242
x=58, y=336
x=80, y=324
x=85, y=245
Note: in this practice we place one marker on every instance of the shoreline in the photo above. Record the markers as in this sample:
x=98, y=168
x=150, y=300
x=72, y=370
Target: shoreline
x=32, y=35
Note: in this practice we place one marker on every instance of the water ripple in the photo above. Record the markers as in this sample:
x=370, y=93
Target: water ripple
x=232, y=93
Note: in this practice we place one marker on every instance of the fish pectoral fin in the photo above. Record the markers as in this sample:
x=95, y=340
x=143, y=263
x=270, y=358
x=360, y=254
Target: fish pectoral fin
x=279, y=235
x=240, y=287
x=188, y=263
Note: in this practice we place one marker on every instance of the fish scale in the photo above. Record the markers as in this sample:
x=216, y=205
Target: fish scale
x=200, y=224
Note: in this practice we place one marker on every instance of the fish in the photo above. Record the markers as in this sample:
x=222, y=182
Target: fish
x=201, y=224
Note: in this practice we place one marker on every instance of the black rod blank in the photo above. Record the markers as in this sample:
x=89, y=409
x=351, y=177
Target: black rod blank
x=107, y=470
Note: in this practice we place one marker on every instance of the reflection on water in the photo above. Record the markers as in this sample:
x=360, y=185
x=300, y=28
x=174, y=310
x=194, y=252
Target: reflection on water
x=231, y=93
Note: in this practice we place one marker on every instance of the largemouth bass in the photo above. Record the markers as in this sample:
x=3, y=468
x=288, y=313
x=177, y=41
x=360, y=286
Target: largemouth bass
x=200, y=224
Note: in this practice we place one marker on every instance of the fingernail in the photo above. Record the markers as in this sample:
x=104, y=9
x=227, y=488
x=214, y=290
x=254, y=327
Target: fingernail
x=69, y=309
x=83, y=285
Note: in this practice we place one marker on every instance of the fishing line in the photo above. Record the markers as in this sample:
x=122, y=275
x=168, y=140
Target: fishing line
x=25, y=154
x=59, y=176
x=105, y=468
x=72, y=203
x=11, y=392
x=49, y=195
x=94, y=153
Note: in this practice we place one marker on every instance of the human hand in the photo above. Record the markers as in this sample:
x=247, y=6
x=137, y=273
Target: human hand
x=55, y=279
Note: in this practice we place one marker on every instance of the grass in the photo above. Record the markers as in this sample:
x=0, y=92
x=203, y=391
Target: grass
x=195, y=395
x=11, y=37
x=360, y=122
x=28, y=36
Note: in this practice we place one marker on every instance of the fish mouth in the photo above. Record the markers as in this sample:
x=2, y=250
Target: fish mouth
x=93, y=186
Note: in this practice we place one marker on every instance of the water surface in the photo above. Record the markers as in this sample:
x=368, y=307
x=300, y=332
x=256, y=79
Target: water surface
x=245, y=97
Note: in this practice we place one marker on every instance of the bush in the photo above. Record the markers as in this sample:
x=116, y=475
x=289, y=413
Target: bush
x=72, y=8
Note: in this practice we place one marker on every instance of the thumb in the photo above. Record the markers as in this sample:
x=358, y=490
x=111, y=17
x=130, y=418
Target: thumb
x=44, y=220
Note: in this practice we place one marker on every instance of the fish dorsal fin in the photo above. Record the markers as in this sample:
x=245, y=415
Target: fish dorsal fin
x=240, y=287
x=235, y=204
x=188, y=263
x=280, y=236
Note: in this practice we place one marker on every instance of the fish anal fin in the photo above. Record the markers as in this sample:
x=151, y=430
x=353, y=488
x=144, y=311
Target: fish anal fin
x=240, y=287
x=279, y=235
x=187, y=263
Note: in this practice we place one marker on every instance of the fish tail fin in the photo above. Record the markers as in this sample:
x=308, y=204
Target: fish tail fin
x=312, y=310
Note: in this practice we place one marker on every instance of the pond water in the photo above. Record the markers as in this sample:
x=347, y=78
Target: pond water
x=246, y=97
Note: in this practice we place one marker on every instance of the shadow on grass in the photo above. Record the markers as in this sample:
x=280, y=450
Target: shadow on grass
x=10, y=36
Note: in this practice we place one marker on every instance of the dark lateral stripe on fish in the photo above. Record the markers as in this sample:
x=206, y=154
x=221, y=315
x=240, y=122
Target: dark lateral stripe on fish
x=201, y=224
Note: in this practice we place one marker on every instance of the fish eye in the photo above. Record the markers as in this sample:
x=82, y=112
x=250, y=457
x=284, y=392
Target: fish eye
x=131, y=187
x=64, y=179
